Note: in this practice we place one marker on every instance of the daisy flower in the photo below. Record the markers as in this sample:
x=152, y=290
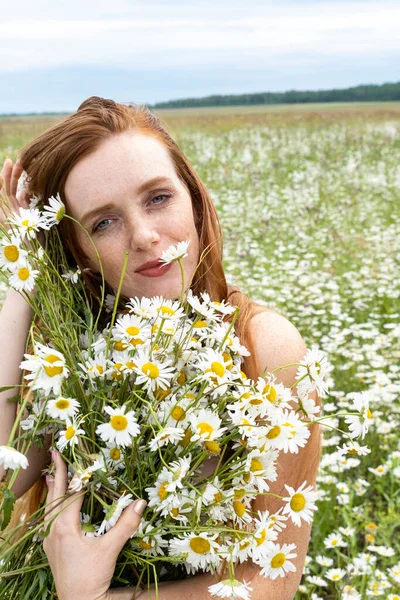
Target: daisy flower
x=28, y=222
x=142, y=307
x=81, y=477
x=335, y=574
x=72, y=275
x=359, y=424
x=12, y=459
x=167, y=435
x=300, y=503
x=152, y=544
x=54, y=211
x=276, y=561
x=231, y=588
x=132, y=329
x=11, y=254
x=202, y=308
x=113, y=456
x=95, y=367
x=152, y=373
x=199, y=549
x=314, y=368
x=70, y=435
x=62, y=408
x=174, y=253
x=334, y=540
x=23, y=277
x=206, y=425
x=48, y=369
x=121, y=427
x=114, y=512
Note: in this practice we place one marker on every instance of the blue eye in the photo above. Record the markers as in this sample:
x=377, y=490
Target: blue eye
x=98, y=226
x=160, y=196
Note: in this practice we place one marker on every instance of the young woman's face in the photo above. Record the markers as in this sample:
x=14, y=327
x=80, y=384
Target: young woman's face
x=113, y=193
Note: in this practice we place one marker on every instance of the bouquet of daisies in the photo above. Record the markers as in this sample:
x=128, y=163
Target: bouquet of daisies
x=149, y=402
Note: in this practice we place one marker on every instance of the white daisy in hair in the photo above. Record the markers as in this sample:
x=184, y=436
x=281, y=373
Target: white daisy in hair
x=174, y=253
x=149, y=539
x=12, y=459
x=54, y=211
x=28, y=222
x=11, y=253
x=121, y=428
x=206, y=426
x=276, y=562
x=23, y=277
x=113, y=513
x=199, y=550
x=62, y=408
x=300, y=504
x=48, y=369
x=231, y=588
x=151, y=372
x=70, y=435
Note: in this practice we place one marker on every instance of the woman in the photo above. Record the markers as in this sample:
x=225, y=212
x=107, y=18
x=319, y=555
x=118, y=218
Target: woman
x=120, y=174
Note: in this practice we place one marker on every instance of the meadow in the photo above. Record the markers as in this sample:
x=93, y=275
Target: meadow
x=309, y=200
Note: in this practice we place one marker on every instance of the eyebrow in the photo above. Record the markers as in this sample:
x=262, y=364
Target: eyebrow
x=141, y=189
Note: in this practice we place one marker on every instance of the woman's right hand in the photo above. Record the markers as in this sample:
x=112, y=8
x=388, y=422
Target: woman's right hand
x=9, y=177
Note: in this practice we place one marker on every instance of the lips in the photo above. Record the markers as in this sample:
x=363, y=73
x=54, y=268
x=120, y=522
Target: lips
x=151, y=264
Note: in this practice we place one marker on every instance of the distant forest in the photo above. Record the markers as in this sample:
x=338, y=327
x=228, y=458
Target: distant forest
x=360, y=93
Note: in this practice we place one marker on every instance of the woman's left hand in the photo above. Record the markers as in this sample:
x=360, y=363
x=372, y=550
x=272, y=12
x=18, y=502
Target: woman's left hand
x=82, y=566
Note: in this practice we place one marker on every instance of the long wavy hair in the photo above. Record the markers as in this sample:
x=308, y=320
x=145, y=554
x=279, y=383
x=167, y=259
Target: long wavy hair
x=48, y=160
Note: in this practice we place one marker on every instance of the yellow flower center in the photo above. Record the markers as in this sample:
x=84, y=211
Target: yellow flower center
x=62, y=403
x=369, y=414
x=136, y=342
x=175, y=512
x=278, y=560
x=151, y=370
x=239, y=508
x=161, y=394
x=145, y=545
x=132, y=330
x=218, y=497
x=23, y=274
x=25, y=222
x=200, y=325
x=70, y=432
x=181, y=378
x=52, y=371
x=255, y=401
x=60, y=213
x=243, y=374
x=239, y=494
x=186, y=438
x=119, y=422
x=99, y=369
x=213, y=447
x=205, y=428
x=274, y=432
x=228, y=360
x=115, y=454
x=162, y=492
x=130, y=364
x=218, y=368
x=178, y=413
x=270, y=393
x=334, y=542
x=260, y=538
x=120, y=346
x=256, y=465
x=11, y=253
x=200, y=545
x=246, y=477
x=298, y=502
x=166, y=310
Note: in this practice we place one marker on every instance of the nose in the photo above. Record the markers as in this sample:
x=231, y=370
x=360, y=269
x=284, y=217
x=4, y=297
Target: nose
x=142, y=232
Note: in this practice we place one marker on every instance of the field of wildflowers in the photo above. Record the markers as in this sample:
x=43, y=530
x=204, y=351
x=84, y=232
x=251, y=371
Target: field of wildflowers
x=310, y=209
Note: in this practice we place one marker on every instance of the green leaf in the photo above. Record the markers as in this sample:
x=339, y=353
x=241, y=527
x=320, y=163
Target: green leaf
x=9, y=499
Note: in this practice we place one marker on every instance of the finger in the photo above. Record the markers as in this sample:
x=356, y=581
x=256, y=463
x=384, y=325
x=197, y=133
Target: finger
x=15, y=175
x=49, y=499
x=126, y=526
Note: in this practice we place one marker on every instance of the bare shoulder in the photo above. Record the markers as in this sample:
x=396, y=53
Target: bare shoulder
x=277, y=342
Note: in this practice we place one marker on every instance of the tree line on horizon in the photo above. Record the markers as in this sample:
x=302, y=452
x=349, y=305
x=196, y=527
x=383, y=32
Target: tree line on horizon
x=360, y=93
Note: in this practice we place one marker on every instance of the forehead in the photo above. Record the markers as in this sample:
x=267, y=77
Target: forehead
x=121, y=164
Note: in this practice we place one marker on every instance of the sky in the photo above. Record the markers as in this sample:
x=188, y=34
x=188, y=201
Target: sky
x=53, y=55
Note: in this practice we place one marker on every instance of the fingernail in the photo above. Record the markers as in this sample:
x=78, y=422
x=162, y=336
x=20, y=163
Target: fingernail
x=49, y=479
x=140, y=506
